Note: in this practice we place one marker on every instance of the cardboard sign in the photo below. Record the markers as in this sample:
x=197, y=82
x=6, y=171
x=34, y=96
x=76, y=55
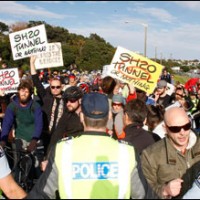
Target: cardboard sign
x=105, y=71
x=9, y=80
x=28, y=42
x=132, y=68
x=51, y=58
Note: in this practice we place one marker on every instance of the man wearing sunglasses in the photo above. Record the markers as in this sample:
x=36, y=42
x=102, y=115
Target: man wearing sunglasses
x=166, y=164
x=69, y=124
x=52, y=103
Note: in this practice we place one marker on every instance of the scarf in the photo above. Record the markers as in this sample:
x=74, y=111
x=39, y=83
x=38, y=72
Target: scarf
x=60, y=112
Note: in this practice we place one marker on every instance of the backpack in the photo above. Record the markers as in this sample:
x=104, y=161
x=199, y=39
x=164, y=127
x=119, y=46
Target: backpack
x=15, y=108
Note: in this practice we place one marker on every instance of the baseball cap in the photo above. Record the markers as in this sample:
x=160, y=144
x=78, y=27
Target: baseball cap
x=95, y=105
x=118, y=98
x=161, y=84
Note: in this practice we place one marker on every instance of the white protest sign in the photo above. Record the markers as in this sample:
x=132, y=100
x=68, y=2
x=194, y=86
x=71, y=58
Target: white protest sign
x=51, y=58
x=105, y=71
x=170, y=89
x=9, y=80
x=28, y=42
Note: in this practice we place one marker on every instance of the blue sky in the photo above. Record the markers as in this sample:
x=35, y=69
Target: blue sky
x=173, y=26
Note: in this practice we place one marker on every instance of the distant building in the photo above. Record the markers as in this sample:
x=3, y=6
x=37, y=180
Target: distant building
x=176, y=69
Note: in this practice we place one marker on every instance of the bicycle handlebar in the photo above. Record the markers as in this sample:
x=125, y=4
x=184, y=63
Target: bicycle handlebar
x=24, y=151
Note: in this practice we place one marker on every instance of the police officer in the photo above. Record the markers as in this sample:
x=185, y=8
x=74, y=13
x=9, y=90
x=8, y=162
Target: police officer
x=92, y=165
x=7, y=184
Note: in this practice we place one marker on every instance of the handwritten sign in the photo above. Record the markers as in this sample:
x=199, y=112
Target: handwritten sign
x=51, y=58
x=130, y=67
x=9, y=80
x=28, y=42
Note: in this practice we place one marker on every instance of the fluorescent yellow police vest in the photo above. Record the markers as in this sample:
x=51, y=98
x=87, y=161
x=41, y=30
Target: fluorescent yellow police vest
x=94, y=167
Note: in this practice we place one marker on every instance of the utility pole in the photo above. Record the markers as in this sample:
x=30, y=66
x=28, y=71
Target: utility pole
x=145, y=35
x=155, y=54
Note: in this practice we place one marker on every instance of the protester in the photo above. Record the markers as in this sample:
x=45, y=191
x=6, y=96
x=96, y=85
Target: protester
x=92, y=165
x=142, y=95
x=115, y=124
x=135, y=113
x=166, y=76
x=4, y=65
x=108, y=86
x=25, y=116
x=154, y=122
x=160, y=95
x=7, y=184
x=181, y=99
x=52, y=103
x=194, y=101
x=165, y=162
x=72, y=81
x=69, y=124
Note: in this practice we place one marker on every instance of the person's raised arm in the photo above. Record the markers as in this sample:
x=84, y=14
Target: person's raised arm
x=36, y=81
x=32, y=65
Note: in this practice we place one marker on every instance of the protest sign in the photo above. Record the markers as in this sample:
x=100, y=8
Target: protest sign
x=105, y=71
x=51, y=58
x=9, y=80
x=170, y=89
x=132, y=68
x=28, y=42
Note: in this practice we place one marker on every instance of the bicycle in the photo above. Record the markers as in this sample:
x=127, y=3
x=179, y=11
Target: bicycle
x=23, y=170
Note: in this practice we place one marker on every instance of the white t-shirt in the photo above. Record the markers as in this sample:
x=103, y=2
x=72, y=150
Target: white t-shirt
x=4, y=167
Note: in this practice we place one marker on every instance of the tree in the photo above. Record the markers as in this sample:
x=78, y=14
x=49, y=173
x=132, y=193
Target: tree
x=87, y=53
x=185, y=68
x=18, y=26
x=3, y=27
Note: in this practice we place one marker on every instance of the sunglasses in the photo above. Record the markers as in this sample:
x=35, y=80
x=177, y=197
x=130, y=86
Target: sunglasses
x=117, y=104
x=55, y=87
x=71, y=100
x=176, y=129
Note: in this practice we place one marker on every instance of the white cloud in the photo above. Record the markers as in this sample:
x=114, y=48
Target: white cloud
x=50, y=1
x=158, y=13
x=178, y=42
x=193, y=5
x=13, y=8
x=96, y=2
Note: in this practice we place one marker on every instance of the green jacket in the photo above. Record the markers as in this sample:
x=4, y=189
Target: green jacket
x=161, y=163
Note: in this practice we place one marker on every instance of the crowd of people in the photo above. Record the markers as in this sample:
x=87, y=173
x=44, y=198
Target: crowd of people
x=102, y=138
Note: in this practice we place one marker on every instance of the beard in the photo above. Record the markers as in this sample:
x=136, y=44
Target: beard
x=24, y=101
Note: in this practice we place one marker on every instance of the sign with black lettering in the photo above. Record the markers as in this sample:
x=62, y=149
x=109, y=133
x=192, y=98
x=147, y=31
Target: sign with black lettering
x=132, y=68
x=51, y=58
x=9, y=80
x=28, y=42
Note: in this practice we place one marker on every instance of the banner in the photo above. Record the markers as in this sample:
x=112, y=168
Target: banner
x=28, y=42
x=9, y=80
x=51, y=58
x=132, y=68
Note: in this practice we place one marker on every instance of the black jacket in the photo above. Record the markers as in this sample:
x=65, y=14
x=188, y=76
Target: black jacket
x=68, y=125
x=138, y=137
